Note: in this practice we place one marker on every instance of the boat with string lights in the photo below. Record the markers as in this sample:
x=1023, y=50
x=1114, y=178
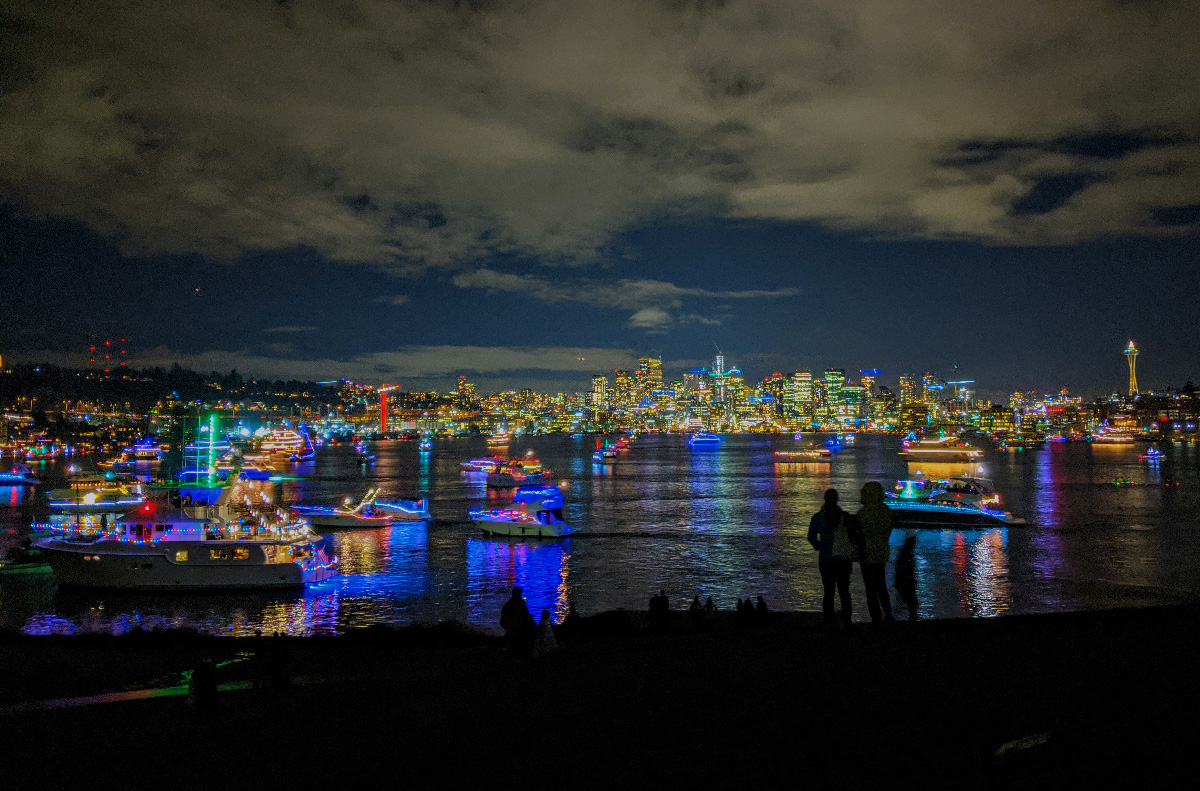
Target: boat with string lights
x=18, y=475
x=526, y=470
x=804, y=455
x=158, y=547
x=536, y=512
x=293, y=445
x=939, y=449
x=88, y=493
x=704, y=439
x=962, y=502
x=347, y=516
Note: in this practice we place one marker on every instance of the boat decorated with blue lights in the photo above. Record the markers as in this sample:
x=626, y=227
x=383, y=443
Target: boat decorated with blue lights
x=536, y=512
x=86, y=493
x=704, y=439
x=604, y=453
x=18, y=475
x=347, y=516
x=158, y=547
x=939, y=449
x=405, y=510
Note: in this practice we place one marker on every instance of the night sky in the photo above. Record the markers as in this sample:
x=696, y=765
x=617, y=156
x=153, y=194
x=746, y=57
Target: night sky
x=406, y=191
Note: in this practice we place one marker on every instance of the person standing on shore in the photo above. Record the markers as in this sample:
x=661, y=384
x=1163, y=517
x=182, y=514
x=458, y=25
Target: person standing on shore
x=834, y=533
x=876, y=521
x=517, y=623
x=905, y=575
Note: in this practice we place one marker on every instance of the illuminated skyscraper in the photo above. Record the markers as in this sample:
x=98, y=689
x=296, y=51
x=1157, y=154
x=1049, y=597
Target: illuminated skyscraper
x=908, y=388
x=622, y=397
x=464, y=393
x=599, y=391
x=1131, y=353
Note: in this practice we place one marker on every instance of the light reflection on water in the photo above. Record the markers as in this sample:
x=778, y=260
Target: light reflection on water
x=728, y=522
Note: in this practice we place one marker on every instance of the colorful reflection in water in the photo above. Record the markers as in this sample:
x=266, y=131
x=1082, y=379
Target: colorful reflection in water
x=728, y=522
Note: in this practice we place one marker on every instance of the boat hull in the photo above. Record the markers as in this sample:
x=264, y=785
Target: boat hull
x=133, y=567
x=525, y=529
x=947, y=516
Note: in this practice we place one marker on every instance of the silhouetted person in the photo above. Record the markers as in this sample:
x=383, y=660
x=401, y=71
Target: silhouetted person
x=905, y=578
x=710, y=611
x=761, y=613
x=833, y=533
x=875, y=518
x=545, y=643
x=570, y=625
x=696, y=613
x=202, y=689
x=660, y=607
x=517, y=623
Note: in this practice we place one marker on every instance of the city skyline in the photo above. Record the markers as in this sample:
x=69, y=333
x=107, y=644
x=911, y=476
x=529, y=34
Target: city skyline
x=531, y=194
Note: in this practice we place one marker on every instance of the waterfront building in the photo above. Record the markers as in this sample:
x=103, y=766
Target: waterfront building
x=908, y=388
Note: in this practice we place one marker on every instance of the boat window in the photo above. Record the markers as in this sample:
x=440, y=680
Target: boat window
x=218, y=554
x=241, y=553
x=160, y=528
x=181, y=556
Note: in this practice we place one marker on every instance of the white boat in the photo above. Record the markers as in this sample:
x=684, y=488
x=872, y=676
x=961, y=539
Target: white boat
x=18, y=475
x=146, y=449
x=361, y=516
x=804, y=455
x=941, y=449
x=286, y=442
x=96, y=494
x=405, y=510
x=947, y=515
x=704, y=440
x=536, y=512
x=156, y=547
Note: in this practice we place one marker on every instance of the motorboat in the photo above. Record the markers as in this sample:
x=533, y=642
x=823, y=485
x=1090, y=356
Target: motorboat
x=1021, y=440
x=489, y=464
x=704, y=439
x=405, y=510
x=514, y=473
x=86, y=493
x=346, y=517
x=940, y=449
x=145, y=449
x=963, y=502
x=498, y=438
x=604, y=453
x=536, y=512
x=1106, y=436
x=942, y=514
x=809, y=454
x=425, y=445
x=157, y=547
x=18, y=475
x=1151, y=454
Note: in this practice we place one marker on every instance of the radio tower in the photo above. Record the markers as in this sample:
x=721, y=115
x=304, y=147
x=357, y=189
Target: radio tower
x=1131, y=353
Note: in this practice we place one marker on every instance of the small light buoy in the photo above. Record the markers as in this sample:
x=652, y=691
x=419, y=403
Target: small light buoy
x=563, y=484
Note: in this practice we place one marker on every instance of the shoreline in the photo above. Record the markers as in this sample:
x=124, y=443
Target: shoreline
x=618, y=702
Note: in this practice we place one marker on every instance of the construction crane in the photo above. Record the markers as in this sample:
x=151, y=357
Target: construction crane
x=383, y=391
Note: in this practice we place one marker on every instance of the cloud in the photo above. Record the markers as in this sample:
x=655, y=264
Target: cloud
x=415, y=363
x=397, y=299
x=410, y=134
x=291, y=328
x=649, y=300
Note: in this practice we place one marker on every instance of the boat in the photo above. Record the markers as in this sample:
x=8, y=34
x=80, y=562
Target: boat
x=498, y=438
x=489, y=464
x=1106, y=436
x=18, y=475
x=405, y=510
x=1021, y=440
x=514, y=473
x=157, y=547
x=345, y=517
x=804, y=455
x=941, y=449
x=296, y=446
x=425, y=445
x=1151, y=454
x=536, y=512
x=704, y=439
x=145, y=449
x=86, y=493
x=604, y=455
x=927, y=513
x=965, y=489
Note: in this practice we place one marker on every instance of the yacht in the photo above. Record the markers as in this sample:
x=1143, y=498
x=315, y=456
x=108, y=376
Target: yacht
x=18, y=475
x=405, y=510
x=804, y=455
x=156, y=547
x=1107, y=436
x=498, y=438
x=286, y=442
x=97, y=494
x=704, y=439
x=146, y=449
x=962, y=502
x=942, y=449
x=536, y=512
x=604, y=454
x=345, y=517
x=489, y=464
x=525, y=470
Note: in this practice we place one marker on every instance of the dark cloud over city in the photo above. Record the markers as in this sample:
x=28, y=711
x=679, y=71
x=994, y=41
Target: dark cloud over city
x=509, y=150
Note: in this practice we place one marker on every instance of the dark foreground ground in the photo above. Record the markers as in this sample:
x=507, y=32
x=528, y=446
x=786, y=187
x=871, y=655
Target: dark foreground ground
x=1108, y=699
